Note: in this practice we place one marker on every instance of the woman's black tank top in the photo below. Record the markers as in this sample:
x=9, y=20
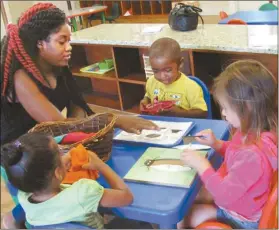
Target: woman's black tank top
x=15, y=121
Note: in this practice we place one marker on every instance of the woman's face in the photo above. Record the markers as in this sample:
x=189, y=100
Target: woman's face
x=56, y=50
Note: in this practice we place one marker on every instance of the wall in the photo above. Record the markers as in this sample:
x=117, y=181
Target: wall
x=61, y=4
x=214, y=7
x=15, y=8
x=251, y=5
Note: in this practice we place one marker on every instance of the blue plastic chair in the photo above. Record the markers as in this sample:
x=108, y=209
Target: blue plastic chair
x=12, y=190
x=268, y=7
x=206, y=95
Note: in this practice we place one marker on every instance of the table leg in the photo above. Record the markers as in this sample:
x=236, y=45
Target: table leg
x=74, y=24
x=167, y=226
x=81, y=22
x=103, y=17
x=84, y=22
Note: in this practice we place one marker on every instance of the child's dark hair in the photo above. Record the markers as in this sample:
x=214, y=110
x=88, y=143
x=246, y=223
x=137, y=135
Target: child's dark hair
x=30, y=162
x=19, y=48
x=251, y=90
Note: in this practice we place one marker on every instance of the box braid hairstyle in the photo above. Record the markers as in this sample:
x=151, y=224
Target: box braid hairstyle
x=19, y=47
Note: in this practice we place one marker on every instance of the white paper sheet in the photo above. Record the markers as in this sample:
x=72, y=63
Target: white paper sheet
x=193, y=147
x=152, y=29
x=172, y=133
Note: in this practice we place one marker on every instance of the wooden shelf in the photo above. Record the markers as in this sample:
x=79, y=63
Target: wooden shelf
x=134, y=78
x=109, y=76
x=102, y=99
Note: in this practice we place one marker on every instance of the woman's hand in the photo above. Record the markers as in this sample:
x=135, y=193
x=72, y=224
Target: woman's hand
x=133, y=124
x=194, y=160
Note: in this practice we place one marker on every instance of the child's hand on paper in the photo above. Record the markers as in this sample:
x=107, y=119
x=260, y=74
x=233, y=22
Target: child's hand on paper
x=94, y=162
x=194, y=160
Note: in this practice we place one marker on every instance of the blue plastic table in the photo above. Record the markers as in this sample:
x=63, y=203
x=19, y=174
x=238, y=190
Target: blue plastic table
x=254, y=17
x=162, y=205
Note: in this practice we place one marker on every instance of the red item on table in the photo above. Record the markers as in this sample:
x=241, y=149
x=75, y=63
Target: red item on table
x=74, y=137
x=158, y=106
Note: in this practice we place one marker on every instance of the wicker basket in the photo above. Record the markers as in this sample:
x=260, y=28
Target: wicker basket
x=101, y=124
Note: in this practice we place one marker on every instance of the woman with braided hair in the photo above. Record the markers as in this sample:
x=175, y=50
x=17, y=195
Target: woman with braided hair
x=36, y=82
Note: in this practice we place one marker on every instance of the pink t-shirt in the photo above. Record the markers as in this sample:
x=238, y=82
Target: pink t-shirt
x=243, y=182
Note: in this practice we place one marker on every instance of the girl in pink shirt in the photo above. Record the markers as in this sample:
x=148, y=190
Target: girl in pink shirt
x=247, y=94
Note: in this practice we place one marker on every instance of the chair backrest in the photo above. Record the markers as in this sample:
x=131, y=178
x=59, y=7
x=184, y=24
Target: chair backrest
x=236, y=21
x=12, y=190
x=213, y=225
x=115, y=10
x=206, y=95
x=268, y=7
x=269, y=218
x=223, y=15
x=69, y=225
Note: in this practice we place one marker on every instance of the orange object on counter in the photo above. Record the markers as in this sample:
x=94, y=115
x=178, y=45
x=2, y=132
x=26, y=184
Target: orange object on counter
x=79, y=157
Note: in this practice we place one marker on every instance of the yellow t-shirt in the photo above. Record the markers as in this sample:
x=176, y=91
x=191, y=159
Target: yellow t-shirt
x=186, y=92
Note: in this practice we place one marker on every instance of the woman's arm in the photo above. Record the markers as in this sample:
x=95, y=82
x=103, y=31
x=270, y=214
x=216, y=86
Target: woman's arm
x=34, y=102
x=75, y=111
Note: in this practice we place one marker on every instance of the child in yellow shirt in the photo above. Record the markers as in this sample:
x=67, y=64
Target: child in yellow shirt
x=168, y=83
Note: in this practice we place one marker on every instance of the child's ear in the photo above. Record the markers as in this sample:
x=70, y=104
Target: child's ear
x=181, y=63
x=59, y=173
x=40, y=45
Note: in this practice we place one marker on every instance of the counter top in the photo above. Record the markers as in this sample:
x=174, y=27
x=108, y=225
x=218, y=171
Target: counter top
x=211, y=37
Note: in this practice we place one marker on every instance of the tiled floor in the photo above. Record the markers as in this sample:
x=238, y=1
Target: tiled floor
x=7, y=203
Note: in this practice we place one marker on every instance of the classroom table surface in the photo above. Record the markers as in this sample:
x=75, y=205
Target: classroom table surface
x=157, y=204
x=254, y=17
x=85, y=11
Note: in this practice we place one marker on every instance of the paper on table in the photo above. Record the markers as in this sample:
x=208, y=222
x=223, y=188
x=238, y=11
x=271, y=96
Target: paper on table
x=152, y=168
x=169, y=135
x=193, y=147
x=152, y=29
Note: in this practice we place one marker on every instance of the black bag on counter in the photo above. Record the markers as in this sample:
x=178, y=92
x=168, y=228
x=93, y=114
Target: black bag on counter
x=184, y=17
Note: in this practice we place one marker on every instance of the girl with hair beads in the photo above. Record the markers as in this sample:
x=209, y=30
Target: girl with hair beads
x=36, y=83
x=247, y=94
x=35, y=166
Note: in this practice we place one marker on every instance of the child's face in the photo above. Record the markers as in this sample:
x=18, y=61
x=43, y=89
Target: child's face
x=57, y=49
x=64, y=163
x=165, y=70
x=229, y=114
